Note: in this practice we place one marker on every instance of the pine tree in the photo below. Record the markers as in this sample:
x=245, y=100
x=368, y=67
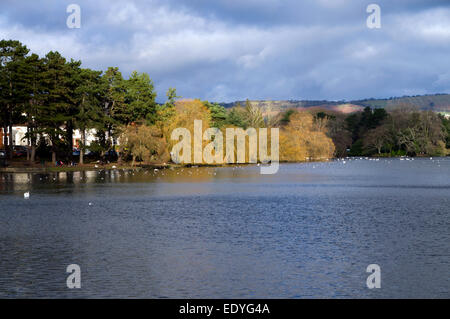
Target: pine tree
x=90, y=93
x=114, y=107
x=33, y=76
x=73, y=81
x=140, y=98
x=12, y=87
x=54, y=113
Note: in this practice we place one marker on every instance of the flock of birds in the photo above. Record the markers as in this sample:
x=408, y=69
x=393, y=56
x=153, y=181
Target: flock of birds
x=195, y=169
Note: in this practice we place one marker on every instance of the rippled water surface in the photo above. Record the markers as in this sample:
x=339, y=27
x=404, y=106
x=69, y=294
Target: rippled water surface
x=308, y=231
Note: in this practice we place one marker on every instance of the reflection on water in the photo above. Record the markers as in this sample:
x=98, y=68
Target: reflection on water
x=229, y=232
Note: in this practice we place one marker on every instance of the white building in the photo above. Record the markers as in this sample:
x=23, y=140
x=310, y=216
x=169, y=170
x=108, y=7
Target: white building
x=90, y=137
x=19, y=136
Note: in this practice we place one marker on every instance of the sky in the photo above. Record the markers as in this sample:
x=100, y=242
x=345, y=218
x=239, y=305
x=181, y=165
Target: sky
x=228, y=50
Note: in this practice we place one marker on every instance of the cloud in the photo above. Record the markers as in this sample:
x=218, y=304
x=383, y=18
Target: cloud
x=229, y=50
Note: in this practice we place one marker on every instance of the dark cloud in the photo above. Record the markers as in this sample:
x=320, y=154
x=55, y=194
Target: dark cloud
x=228, y=50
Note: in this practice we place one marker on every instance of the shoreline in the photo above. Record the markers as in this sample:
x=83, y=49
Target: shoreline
x=57, y=169
x=115, y=166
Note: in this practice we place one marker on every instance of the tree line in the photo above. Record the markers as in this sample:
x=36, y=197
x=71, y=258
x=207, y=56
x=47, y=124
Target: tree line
x=405, y=130
x=54, y=96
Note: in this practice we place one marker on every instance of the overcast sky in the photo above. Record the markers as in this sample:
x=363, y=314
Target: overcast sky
x=226, y=50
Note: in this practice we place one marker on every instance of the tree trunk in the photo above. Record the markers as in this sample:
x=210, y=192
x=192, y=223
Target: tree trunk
x=54, y=157
x=69, y=132
x=83, y=143
x=28, y=144
x=33, y=145
x=5, y=137
x=10, y=145
x=33, y=153
x=134, y=160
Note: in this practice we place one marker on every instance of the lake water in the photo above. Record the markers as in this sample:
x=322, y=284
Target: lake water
x=308, y=231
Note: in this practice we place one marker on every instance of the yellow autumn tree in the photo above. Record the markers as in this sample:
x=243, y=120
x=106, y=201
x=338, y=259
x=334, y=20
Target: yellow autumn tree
x=186, y=112
x=234, y=146
x=300, y=140
x=143, y=143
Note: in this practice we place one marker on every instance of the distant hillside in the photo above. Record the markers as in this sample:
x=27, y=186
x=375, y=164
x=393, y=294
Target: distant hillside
x=435, y=102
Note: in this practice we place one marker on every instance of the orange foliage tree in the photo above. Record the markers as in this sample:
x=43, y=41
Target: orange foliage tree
x=186, y=112
x=302, y=140
x=143, y=143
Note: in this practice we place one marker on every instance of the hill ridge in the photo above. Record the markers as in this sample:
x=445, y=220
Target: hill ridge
x=439, y=102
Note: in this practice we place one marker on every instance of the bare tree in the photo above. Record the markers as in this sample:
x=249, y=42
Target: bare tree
x=377, y=138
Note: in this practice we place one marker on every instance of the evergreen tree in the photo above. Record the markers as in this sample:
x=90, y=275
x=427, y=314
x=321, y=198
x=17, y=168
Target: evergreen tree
x=13, y=92
x=115, y=110
x=33, y=75
x=140, y=98
x=218, y=114
x=54, y=113
x=89, y=114
x=73, y=81
x=236, y=117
